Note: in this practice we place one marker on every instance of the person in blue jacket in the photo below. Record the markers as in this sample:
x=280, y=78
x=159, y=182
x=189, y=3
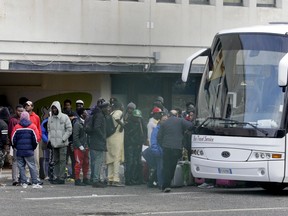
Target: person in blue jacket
x=47, y=152
x=24, y=138
x=153, y=154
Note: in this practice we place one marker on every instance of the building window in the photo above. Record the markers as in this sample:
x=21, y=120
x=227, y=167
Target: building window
x=206, y=2
x=166, y=1
x=266, y=3
x=233, y=2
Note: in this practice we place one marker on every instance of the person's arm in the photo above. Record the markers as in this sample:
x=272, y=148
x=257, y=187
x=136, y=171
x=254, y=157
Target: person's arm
x=160, y=136
x=117, y=116
x=34, y=139
x=67, y=128
x=11, y=125
x=186, y=124
x=4, y=134
x=153, y=139
x=119, y=122
x=98, y=123
x=44, y=132
x=76, y=135
x=38, y=125
x=14, y=137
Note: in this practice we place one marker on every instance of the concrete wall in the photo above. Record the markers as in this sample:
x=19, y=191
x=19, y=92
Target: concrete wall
x=119, y=31
x=106, y=33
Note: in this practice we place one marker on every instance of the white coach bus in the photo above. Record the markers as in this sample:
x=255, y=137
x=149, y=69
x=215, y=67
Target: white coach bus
x=242, y=119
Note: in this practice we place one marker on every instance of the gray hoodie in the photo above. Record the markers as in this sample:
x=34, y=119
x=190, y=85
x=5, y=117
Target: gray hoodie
x=59, y=127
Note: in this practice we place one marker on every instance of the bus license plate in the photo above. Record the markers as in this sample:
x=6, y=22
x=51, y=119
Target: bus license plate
x=225, y=171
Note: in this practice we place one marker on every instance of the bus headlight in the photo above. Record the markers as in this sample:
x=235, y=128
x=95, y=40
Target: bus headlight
x=261, y=155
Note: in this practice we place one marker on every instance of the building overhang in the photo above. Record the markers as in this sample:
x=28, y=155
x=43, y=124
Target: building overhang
x=88, y=67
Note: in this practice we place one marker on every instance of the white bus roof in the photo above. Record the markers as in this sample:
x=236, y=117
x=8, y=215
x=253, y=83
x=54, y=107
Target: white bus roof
x=271, y=28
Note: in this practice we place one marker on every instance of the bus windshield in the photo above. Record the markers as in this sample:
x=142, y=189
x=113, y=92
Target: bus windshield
x=240, y=83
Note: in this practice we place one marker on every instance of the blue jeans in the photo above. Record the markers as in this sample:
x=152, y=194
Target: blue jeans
x=150, y=158
x=97, y=159
x=30, y=161
x=159, y=162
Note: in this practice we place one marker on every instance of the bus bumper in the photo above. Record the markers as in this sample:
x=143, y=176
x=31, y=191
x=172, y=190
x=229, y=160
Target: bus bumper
x=261, y=171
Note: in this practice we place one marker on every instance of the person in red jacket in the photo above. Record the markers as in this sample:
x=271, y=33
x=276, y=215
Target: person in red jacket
x=34, y=118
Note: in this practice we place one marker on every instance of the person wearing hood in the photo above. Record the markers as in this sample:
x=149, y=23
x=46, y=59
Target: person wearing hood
x=128, y=112
x=97, y=141
x=59, y=130
x=24, y=138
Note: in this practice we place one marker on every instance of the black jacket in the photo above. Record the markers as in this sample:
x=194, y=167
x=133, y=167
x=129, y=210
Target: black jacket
x=3, y=134
x=97, y=136
x=135, y=132
x=171, y=132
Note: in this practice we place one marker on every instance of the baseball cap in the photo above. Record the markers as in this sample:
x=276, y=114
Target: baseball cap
x=79, y=102
x=156, y=110
x=131, y=105
x=191, y=108
x=28, y=103
x=161, y=99
x=137, y=113
x=101, y=103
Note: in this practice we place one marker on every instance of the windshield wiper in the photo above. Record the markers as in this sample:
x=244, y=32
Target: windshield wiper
x=252, y=125
x=231, y=122
x=215, y=118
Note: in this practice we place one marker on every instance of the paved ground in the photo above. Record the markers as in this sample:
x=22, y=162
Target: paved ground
x=70, y=200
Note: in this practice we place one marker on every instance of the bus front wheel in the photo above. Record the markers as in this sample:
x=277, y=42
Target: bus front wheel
x=273, y=187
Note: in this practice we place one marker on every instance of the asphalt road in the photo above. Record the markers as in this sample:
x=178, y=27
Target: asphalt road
x=69, y=200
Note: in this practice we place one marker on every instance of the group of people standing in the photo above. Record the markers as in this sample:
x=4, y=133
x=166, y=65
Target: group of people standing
x=170, y=134
x=84, y=137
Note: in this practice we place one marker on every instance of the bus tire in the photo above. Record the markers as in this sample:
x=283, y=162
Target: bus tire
x=273, y=187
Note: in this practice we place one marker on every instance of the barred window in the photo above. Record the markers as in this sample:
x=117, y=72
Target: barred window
x=199, y=2
x=233, y=2
x=266, y=3
x=166, y=1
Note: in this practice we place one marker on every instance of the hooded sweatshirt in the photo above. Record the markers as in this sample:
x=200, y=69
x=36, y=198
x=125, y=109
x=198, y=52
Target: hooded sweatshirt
x=59, y=127
x=24, y=136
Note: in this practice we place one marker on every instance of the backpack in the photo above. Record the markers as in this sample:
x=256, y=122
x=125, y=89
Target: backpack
x=110, y=127
x=2, y=158
x=89, y=125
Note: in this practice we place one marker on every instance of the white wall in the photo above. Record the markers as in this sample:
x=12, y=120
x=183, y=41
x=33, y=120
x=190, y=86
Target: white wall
x=109, y=32
x=119, y=31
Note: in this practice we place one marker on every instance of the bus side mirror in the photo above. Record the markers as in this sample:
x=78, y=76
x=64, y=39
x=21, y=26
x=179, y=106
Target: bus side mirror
x=283, y=71
x=189, y=60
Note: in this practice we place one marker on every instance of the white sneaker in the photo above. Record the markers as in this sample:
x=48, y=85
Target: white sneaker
x=36, y=186
x=24, y=185
x=205, y=185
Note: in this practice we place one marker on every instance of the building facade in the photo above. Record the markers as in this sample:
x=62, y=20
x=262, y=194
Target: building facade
x=133, y=50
